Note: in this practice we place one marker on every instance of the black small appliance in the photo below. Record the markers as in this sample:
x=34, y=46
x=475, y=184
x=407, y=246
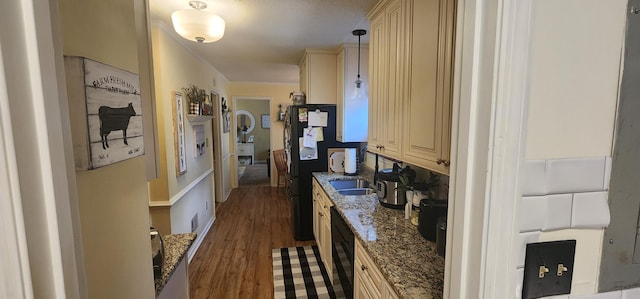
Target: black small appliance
x=430, y=211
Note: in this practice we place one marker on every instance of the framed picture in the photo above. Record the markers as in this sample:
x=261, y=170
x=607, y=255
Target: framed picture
x=226, y=122
x=178, y=134
x=198, y=139
x=266, y=121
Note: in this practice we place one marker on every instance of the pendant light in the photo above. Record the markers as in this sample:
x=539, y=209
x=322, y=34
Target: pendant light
x=360, y=92
x=198, y=25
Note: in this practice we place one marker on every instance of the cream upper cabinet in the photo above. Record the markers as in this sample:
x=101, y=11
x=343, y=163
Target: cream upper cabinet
x=387, y=87
x=353, y=113
x=428, y=104
x=411, y=62
x=318, y=76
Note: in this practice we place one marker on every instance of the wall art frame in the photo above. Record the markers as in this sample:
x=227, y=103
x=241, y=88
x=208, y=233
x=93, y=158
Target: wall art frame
x=265, y=121
x=178, y=134
x=199, y=146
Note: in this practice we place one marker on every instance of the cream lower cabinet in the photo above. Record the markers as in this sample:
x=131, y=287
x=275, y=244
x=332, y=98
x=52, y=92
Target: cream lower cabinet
x=322, y=226
x=411, y=64
x=368, y=282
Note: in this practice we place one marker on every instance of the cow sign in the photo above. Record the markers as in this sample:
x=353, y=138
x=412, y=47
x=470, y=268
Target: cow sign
x=106, y=114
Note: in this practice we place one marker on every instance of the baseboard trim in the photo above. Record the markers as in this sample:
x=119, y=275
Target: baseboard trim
x=199, y=239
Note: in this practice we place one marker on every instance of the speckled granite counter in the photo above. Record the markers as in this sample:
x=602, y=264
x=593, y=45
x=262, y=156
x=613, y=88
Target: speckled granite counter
x=175, y=249
x=408, y=261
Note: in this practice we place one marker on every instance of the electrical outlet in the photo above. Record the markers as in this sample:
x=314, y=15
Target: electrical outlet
x=548, y=268
x=194, y=223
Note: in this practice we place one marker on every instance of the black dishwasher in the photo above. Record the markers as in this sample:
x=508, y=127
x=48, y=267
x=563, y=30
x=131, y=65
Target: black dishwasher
x=342, y=247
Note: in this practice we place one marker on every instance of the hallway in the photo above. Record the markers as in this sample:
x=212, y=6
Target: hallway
x=253, y=175
x=234, y=260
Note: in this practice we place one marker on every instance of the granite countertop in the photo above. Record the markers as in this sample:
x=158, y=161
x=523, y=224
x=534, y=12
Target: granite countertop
x=409, y=262
x=175, y=249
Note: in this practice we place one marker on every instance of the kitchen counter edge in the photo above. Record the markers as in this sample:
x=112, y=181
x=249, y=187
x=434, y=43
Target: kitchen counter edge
x=409, y=263
x=175, y=249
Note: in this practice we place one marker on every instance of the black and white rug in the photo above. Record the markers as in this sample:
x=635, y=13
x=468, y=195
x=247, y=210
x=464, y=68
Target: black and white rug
x=298, y=273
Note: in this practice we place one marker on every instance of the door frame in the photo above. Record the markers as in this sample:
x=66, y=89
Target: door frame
x=234, y=136
x=489, y=117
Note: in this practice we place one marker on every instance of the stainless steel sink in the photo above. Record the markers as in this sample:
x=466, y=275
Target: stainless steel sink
x=349, y=184
x=357, y=191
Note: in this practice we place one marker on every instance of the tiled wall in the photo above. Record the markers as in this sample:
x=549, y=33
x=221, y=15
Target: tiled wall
x=624, y=294
x=563, y=194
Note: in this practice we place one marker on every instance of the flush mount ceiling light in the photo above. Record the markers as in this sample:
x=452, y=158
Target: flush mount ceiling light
x=198, y=25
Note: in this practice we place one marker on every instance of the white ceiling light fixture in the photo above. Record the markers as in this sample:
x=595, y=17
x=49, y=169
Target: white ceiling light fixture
x=198, y=25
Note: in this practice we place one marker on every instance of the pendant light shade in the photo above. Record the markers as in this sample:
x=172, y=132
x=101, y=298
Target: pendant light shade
x=198, y=25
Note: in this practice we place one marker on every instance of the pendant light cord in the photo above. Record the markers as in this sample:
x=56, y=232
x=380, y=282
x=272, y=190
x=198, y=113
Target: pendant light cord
x=358, y=85
x=359, y=33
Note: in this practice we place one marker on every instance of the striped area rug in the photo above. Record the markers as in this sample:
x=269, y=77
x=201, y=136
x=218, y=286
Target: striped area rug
x=298, y=273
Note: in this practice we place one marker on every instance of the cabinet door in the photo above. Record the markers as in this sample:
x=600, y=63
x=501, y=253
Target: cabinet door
x=428, y=108
x=316, y=212
x=377, y=64
x=360, y=289
x=321, y=77
x=391, y=109
x=327, y=256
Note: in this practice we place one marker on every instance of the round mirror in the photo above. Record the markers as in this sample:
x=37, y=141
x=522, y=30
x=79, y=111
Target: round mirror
x=246, y=123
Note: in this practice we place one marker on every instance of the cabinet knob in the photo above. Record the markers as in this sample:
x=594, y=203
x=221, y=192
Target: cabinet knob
x=363, y=267
x=439, y=161
x=320, y=214
x=326, y=207
x=447, y=163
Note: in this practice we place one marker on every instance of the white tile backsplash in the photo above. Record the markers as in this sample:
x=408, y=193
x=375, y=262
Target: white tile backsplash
x=532, y=211
x=558, y=211
x=590, y=210
x=607, y=174
x=523, y=240
x=560, y=194
x=519, y=281
x=575, y=175
x=534, y=178
x=607, y=295
x=631, y=293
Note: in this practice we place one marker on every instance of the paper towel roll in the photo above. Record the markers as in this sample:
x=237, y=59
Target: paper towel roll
x=350, y=161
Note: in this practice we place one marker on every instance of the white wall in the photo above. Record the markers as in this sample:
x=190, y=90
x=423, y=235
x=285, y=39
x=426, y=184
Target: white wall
x=575, y=65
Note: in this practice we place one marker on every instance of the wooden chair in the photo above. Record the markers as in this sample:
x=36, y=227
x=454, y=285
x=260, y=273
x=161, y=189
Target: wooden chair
x=281, y=165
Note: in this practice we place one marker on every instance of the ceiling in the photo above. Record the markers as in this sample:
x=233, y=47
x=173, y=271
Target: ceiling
x=264, y=40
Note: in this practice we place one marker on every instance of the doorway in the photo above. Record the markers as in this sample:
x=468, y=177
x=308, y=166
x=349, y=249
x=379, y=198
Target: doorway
x=253, y=141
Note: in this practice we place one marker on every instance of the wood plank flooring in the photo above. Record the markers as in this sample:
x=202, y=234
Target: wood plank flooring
x=234, y=260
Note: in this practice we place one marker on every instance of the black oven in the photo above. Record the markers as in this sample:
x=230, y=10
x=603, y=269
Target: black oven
x=342, y=249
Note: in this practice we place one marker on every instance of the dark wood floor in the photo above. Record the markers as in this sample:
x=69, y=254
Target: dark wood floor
x=234, y=260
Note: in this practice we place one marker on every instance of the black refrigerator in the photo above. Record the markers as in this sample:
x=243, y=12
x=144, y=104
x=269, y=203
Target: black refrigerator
x=301, y=169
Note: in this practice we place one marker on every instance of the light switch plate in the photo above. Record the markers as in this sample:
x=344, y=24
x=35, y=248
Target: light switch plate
x=548, y=268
